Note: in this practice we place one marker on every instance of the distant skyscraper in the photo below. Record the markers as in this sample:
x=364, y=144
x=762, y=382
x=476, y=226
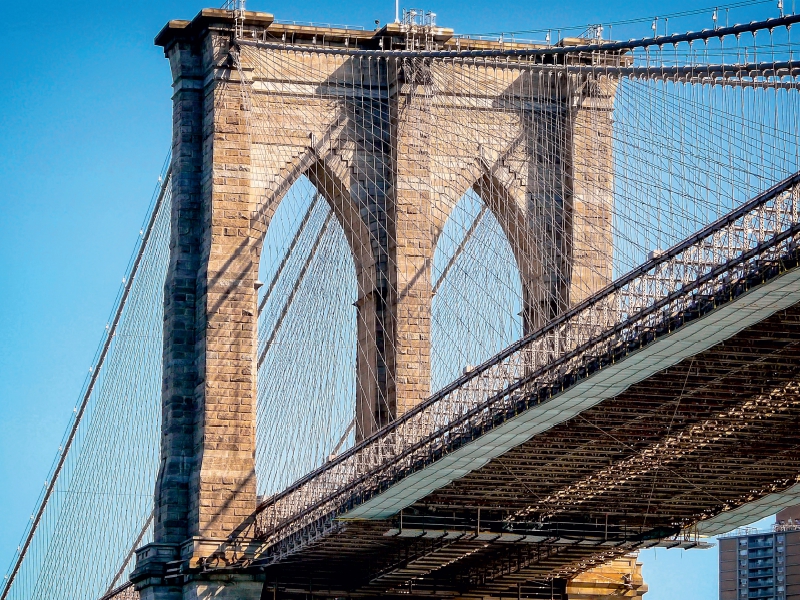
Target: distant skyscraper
x=762, y=565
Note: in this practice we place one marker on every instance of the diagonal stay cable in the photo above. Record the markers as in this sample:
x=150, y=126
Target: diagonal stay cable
x=395, y=425
x=293, y=293
x=92, y=382
x=289, y=251
x=460, y=248
x=112, y=594
x=669, y=431
x=343, y=439
x=130, y=554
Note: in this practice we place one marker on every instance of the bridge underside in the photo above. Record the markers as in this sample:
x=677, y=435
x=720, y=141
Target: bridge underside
x=702, y=437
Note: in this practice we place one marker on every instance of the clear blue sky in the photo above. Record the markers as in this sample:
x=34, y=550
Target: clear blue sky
x=85, y=118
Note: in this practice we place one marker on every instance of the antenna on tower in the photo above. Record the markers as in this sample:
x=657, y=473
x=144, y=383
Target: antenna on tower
x=396, y=11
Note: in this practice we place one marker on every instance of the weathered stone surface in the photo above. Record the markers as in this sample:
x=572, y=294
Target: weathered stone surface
x=239, y=587
x=620, y=578
x=392, y=163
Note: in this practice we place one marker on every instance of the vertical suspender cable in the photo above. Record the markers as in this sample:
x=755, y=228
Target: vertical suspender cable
x=90, y=388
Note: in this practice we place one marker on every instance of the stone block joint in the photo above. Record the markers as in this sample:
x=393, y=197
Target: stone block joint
x=392, y=165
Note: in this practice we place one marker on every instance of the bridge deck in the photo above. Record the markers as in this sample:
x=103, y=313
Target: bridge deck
x=692, y=339
x=598, y=474
x=666, y=400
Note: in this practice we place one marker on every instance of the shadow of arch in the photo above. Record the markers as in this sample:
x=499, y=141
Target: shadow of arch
x=477, y=304
x=332, y=131
x=338, y=185
x=337, y=194
x=307, y=337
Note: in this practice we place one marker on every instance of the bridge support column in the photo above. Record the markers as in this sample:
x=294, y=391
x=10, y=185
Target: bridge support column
x=591, y=168
x=391, y=186
x=570, y=197
x=383, y=184
x=413, y=250
x=206, y=488
x=619, y=578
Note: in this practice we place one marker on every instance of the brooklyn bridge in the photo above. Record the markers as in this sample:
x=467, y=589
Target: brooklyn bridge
x=417, y=314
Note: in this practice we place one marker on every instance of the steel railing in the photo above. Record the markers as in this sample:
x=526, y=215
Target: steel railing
x=711, y=267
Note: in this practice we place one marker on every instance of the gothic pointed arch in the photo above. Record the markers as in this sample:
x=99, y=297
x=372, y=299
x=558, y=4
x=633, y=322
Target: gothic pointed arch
x=477, y=302
x=307, y=336
x=507, y=200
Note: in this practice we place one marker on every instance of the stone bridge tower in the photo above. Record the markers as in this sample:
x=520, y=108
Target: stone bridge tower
x=392, y=165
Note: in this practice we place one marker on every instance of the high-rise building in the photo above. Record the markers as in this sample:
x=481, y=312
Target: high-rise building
x=762, y=564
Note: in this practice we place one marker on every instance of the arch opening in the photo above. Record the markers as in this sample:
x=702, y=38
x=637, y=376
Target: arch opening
x=306, y=359
x=476, y=309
